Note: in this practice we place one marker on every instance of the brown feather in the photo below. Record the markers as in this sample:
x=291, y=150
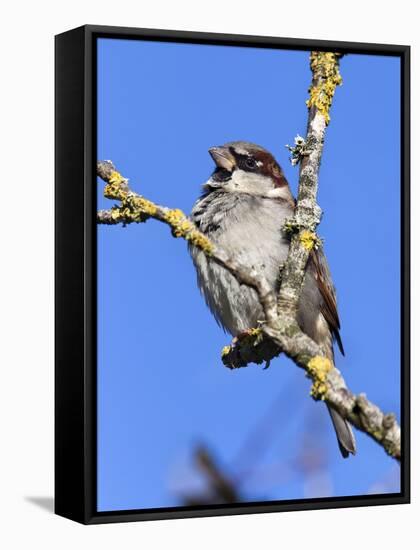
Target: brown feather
x=271, y=168
x=327, y=290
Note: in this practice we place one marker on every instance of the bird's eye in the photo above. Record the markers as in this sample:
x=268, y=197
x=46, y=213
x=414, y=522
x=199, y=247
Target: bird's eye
x=250, y=162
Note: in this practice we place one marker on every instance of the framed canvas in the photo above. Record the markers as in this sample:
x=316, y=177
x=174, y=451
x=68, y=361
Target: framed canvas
x=220, y=349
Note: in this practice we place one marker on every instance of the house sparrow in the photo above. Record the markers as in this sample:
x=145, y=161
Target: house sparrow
x=243, y=207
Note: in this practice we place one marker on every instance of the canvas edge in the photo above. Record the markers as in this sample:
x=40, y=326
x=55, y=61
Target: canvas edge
x=69, y=428
x=75, y=420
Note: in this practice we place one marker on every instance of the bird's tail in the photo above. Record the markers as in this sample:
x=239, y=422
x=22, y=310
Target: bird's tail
x=343, y=430
x=344, y=433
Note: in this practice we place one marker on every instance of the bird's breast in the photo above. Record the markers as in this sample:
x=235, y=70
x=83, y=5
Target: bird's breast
x=250, y=229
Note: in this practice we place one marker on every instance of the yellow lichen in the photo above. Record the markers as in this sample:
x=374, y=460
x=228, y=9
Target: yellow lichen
x=183, y=227
x=308, y=239
x=174, y=216
x=325, y=70
x=201, y=241
x=225, y=351
x=377, y=434
x=318, y=369
x=114, y=187
x=116, y=178
x=115, y=213
x=144, y=206
x=251, y=336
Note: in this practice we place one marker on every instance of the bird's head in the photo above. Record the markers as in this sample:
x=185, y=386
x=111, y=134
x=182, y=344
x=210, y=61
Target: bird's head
x=243, y=167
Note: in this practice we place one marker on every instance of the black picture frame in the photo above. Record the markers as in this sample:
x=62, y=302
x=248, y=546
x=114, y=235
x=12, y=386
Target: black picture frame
x=75, y=273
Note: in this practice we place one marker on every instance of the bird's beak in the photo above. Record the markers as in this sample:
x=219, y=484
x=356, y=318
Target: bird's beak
x=223, y=158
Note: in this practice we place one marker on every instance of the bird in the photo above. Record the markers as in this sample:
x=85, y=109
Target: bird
x=242, y=209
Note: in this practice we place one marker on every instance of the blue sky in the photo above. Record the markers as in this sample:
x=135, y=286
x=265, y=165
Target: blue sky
x=162, y=389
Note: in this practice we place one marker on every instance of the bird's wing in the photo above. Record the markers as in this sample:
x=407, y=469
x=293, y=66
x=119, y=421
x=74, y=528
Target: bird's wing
x=327, y=290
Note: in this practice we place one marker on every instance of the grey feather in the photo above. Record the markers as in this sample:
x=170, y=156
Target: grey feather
x=250, y=227
x=344, y=433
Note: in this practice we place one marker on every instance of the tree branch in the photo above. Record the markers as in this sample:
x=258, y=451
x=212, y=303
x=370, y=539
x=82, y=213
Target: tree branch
x=280, y=332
